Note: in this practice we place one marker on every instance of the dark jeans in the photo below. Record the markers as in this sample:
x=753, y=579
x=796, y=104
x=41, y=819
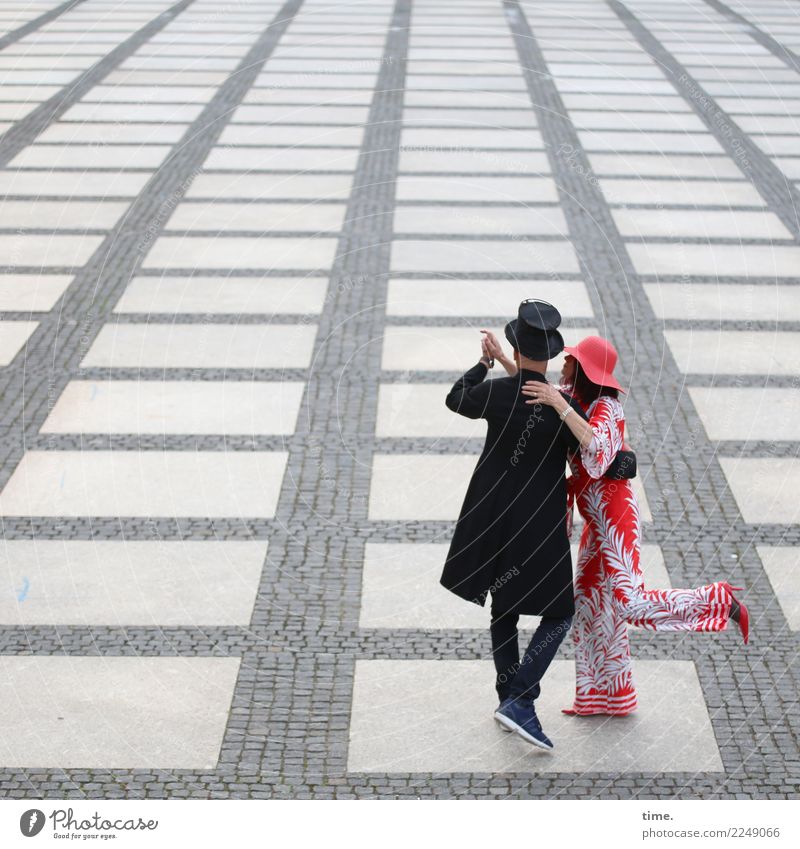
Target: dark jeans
x=520, y=677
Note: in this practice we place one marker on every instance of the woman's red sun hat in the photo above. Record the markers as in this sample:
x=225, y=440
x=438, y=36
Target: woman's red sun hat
x=597, y=357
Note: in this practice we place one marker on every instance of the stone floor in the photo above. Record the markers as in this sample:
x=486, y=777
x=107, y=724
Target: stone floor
x=247, y=247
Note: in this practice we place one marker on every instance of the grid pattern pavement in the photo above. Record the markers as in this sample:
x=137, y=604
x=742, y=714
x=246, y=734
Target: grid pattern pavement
x=247, y=249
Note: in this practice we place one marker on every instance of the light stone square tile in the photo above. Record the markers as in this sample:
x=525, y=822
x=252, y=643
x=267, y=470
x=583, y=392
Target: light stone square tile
x=765, y=488
x=417, y=409
x=748, y=413
x=282, y=159
x=108, y=712
x=476, y=118
x=484, y=297
x=149, y=94
x=47, y=250
x=468, y=99
x=31, y=292
x=697, y=193
x=291, y=97
x=110, y=583
x=321, y=81
x=735, y=351
x=474, y=162
x=724, y=301
x=91, y=156
x=663, y=165
x=400, y=588
x=409, y=487
x=13, y=336
x=481, y=221
x=241, y=252
x=129, y=133
x=449, y=348
x=781, y=565
x=461, y=137
x=477, y=188
x=609, y=102
x=292, y=135
x=208, y=484
x=71, y=184
x=168, y=406
x=258, y=217
x=715, y=260
x=699, y=224
x=452, y=82
x=269, y=186
x=89, y=215
x=400, y=706
x=247, y=346
x=222, y=295
x=615, y=86
x=475, y=256
x=172, y=113
x=598, y=140
x=292, y=113
x=613, y=119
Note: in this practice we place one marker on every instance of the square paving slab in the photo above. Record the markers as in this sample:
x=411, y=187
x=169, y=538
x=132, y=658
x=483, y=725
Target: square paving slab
x=205, y=252
x=735, y=351
x=481, y=221
x=400, y=588
x=484, y=297
x=47, y=250
x=269, y=186
x=724, y=302
x=476, y=188
x=781, y=565
x=13, y=336
x=114, y=712
x=119, y=583
x=716, y=260
x=488, y=256
x=400, y=708
x=202, y=346
x=748, y=413
x=31, y=292
x=221, y=295
x=764, y=488
x=145, y=483
x=191, y=407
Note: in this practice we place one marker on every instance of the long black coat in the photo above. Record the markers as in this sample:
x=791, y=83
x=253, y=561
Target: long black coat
x=511, y=537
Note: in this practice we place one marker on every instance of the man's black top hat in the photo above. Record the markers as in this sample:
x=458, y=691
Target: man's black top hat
x=533, y=332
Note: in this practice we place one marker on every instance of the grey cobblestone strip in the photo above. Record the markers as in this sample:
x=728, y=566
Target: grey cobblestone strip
x=693, y=508
x=31, y=384
x=781, y=195
x=45, y=18
x=312, y=580
x=774, y=46
x=24, y=131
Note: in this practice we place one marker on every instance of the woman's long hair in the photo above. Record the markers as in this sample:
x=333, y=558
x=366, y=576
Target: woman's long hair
x=585, y=391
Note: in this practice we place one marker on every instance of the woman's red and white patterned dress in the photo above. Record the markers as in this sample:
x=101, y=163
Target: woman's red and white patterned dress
x=609, y=589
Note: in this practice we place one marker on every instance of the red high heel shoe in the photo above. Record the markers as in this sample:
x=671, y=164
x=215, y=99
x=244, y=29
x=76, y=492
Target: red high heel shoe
x=744, y=616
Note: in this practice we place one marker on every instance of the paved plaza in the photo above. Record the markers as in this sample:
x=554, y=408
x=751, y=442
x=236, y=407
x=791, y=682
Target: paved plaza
x=246, y=249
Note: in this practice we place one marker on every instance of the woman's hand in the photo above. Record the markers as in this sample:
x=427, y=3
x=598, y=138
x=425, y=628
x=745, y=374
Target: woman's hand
x=543, y=393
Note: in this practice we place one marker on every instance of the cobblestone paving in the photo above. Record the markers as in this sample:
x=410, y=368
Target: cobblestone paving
x=247, y=247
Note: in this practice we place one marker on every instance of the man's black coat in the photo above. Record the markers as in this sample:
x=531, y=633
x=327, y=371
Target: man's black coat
x=511, y=537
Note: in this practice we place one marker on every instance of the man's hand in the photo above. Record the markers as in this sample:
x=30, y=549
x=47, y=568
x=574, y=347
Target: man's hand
x=494, y=349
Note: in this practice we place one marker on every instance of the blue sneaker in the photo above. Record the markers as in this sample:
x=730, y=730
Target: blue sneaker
x=520, y=716
x=502, y=727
